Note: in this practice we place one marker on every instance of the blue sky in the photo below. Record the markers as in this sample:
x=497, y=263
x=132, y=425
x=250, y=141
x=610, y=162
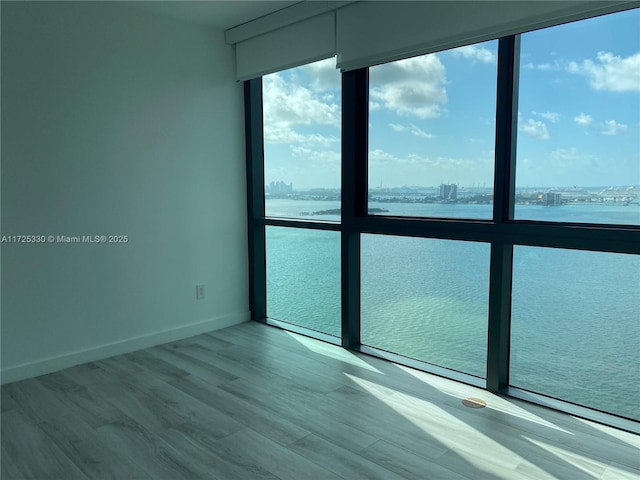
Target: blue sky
x=432, y=118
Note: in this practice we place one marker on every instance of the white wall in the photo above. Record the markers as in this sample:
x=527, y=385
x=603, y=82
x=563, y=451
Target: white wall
x=117, y=121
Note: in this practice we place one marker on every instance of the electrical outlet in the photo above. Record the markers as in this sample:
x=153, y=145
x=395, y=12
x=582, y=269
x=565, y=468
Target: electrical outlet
x=200, y=292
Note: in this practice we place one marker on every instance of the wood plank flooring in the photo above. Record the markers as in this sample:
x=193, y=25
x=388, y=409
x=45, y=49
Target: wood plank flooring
x=255, y=402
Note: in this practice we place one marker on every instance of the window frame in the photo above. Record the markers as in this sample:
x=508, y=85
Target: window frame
x=502, y=232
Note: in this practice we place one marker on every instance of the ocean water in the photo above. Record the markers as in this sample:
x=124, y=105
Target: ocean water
x=575, y=314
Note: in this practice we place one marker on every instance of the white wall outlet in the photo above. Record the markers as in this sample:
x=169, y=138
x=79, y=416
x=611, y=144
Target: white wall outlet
x=200, y=292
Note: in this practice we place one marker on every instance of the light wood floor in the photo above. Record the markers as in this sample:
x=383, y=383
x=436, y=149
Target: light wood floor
x=255, y=402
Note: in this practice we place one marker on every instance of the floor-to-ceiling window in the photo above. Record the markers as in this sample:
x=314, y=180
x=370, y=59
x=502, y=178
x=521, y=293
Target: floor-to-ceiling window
x=474, y=211
x=302, y=179
x=576, y=314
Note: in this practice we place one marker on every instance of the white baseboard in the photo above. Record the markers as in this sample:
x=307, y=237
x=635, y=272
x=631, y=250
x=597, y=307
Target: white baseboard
x=60, y=362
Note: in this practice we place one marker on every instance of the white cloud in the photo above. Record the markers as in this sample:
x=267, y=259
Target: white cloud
x=418, y=132
x=414, y=129
x=316, y=156
x=321, y=140
x=571, y=157
x=542, y=66
x=325, y=74
x=583, y=120
x=396, y=127
x=611, y=127
x=535, y=129
x=415, y=169
x=281, y=135
x=553, y=117
x=475, y=52
x=288, y=104
x=413, y=87
x=610, y=72
x=288, y=135
x=381, y=157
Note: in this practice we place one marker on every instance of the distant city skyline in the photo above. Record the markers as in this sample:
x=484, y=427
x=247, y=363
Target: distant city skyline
x=432, y=117
x=292, y=188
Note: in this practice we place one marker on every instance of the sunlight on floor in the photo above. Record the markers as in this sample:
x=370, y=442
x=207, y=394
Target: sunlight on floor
x=580, y=462
x=436, y=421
x=455, y=389
x=332, y=351
x=626, y=437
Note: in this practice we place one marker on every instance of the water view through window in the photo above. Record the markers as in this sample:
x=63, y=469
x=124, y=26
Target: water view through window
x=576, y=315
x=575, y=326
x=427, y=299
x=303, y=278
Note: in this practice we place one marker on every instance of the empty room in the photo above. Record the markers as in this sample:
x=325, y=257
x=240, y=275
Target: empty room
x=341, y=240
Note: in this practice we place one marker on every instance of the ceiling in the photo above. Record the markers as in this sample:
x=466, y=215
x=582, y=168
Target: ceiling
x=214, y=13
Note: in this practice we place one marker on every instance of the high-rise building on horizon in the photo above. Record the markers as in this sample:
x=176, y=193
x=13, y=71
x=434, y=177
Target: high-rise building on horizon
x=449, y=192
x=278, y=188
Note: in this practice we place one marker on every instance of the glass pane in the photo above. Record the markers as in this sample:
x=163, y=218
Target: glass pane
x=575, y=328
x=578, y=138
x=432, y=134
x=303, y=278
x=427, y=299
x=302, y=116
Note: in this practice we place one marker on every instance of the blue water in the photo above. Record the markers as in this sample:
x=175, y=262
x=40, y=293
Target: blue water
x=575, y=314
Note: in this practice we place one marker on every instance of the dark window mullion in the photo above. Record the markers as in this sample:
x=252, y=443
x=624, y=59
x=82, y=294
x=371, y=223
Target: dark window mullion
x=499, y=328
x=604, y=238
x=506, y=128
x=355, y=127
x=295, y=223
x=501, y=267
x=255, y=198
